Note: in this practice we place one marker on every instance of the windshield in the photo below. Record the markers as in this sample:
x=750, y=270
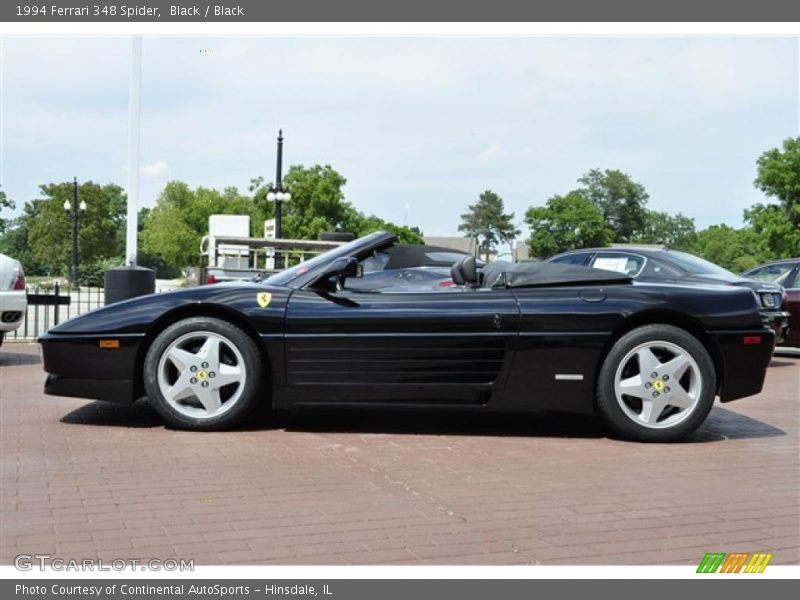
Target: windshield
x=284, y=278
x=696, y=265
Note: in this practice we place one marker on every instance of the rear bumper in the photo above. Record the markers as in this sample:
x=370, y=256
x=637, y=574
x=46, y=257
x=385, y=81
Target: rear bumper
x=77, y=366
x=12, y=309
x=745, y=357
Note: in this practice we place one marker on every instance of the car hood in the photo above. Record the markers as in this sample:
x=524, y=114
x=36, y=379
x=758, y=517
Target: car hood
x=135, y=315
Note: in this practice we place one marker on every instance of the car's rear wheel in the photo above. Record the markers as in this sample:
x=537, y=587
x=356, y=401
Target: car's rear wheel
x=203, y=373
x=657, y=384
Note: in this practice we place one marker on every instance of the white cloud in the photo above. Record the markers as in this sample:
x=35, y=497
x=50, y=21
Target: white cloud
x=489, y=153
x=155, y=169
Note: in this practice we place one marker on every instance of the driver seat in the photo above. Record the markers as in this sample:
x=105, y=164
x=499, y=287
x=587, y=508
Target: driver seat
x=465, y=272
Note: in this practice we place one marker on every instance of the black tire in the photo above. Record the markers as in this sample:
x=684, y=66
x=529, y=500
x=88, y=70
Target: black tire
x=252, y=388
x=609, y=406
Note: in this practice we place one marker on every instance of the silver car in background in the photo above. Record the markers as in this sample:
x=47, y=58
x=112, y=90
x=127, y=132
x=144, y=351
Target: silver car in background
x=13, y=296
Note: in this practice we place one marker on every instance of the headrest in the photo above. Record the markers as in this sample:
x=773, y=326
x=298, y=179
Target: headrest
x=465, y=271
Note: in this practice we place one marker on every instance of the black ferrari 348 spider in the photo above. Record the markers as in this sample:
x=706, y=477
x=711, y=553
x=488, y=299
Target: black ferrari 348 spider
x=649, y=357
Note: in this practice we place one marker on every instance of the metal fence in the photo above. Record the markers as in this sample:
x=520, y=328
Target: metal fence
x=50, y=305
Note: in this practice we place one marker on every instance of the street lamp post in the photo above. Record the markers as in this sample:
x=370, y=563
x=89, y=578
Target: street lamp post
x=74, y=208
x=276, y=193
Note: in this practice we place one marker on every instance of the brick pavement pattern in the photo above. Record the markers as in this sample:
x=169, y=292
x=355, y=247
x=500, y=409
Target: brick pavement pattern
x=85, y=479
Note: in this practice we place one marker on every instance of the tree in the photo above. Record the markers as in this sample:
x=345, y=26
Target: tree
x=676, y=231
x=621, y=201
x=14, y=242
x=48, y=228
x=733, y=249
x=318, y=204
x=779, y=178
x=359, y=224
x=5, y=204
x=487, y=222
x=172, y=230
x=778, y=237
x=565, y=223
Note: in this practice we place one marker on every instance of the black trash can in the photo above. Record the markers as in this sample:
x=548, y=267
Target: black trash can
x=123, y=283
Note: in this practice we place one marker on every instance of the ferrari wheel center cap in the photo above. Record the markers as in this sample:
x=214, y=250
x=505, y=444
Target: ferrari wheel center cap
x=202, y=375
x=659, y=385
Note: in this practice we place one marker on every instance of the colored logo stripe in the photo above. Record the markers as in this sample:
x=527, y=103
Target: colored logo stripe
x=734, y=563
x=758, y=563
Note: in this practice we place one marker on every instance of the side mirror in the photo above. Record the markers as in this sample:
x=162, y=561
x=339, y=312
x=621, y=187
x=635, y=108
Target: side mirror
x=337, y=271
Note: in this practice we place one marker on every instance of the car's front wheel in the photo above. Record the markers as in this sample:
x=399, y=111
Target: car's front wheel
x=657, y=384
x=203, y=373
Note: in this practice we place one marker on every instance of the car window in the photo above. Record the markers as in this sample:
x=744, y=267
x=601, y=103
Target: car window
x=629, y=264
x=577, y=258
x=375, y=262
x=777, y=273
x=657, y=269
x=444, y=257
x=693, y=264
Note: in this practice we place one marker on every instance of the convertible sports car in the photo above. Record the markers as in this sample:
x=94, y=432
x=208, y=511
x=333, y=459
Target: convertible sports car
x=650, y=358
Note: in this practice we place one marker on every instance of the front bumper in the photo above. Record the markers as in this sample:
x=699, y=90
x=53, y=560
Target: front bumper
x=778, y=321
x=81, y=366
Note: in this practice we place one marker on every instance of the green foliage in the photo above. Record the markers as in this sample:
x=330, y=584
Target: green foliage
x=778, y=225
x=621, y=201
x=779, y=177
x=734, y=249
x=486, y=222
x=5, y=204
x=317, y=202
x=565, y=223
x=360, y=224
x=93, y=274
x=172, y=230
x=41, y=237
x=675, y=231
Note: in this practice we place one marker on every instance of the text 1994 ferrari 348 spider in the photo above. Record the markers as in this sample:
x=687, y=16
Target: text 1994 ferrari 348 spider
x=650, y=358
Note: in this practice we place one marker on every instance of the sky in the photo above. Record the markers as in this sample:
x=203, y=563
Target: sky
x=419, y=126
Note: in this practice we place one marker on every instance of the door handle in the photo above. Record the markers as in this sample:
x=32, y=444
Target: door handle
x=498, y=321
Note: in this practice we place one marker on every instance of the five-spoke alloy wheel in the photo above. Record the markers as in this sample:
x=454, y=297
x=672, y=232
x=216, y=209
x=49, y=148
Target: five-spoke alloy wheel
x=657, y=384
x=203, y=373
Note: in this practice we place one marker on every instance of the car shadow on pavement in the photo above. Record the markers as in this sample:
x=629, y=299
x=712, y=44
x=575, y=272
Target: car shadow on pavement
x=9, y=359
x=722, y=424
x=782, y=363
x=428, y=422
x=725, y=424
x=139, y=415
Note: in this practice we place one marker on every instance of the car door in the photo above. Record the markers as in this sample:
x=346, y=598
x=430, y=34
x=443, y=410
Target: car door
x=433, y=347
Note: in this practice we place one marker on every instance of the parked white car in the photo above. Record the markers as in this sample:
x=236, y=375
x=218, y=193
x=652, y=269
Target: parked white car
x=13, y=297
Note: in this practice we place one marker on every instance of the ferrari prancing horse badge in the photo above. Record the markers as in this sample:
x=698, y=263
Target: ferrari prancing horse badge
x=263, y=299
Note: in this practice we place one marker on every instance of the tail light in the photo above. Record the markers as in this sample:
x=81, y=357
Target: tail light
x=19, y=281
x=211, y=279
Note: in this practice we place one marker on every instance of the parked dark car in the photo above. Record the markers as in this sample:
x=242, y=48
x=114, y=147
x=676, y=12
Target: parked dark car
x=784, y=272
x=649, y=358
x=671, y=266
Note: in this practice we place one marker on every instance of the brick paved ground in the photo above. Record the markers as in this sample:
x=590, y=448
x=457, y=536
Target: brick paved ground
x=86, y=479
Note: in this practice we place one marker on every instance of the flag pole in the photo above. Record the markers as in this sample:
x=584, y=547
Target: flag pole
x=134, y=114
